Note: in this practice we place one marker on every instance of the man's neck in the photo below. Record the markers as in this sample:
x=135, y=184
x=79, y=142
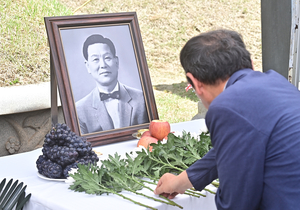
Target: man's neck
x=108, y=89
x=218, y=88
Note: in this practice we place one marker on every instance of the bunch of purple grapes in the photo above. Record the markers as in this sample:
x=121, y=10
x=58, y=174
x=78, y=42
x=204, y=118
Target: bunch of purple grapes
x=62, y=151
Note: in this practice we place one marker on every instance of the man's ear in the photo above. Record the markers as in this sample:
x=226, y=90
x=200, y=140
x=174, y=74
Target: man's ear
x=198, y=86
x=87, y=66
x=252, y=64
x=117, y=61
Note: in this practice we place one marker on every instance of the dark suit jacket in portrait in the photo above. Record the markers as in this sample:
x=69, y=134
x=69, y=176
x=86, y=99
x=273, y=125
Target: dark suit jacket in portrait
x=93, y=116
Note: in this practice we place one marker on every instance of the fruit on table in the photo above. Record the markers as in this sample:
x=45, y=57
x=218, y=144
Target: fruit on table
x=146, y=133
x=159, y=129
x=63, y=150
x=145, y=141
x=141, y=131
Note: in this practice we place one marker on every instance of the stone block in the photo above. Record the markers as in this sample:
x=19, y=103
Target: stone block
x=201, y=111
x=25, y=117
x=22, y=132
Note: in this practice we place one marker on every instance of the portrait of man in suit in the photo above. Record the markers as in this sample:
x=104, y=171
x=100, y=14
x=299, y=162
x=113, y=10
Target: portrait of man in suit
x=111, y=104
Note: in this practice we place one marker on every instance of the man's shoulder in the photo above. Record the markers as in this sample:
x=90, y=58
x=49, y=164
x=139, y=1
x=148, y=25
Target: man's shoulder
x=85, y=100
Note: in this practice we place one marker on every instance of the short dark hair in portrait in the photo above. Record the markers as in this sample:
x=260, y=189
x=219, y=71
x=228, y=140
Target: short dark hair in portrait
x=97, y=38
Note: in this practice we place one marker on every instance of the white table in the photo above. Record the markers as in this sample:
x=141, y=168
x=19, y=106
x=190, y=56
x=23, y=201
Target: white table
x=55, y=195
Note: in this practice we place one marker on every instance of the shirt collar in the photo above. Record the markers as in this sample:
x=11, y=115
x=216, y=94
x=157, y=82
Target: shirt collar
x=237, y=76
x=225, y=85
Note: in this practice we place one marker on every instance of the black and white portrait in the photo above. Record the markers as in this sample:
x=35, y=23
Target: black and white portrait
x=105, y=77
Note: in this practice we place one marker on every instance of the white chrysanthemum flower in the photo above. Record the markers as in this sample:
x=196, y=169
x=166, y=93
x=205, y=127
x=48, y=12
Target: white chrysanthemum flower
x=69, y=179
x=133, y=153
x=203, y=130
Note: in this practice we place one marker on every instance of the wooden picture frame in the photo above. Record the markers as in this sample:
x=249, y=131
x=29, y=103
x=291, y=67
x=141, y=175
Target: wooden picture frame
x=71, y=71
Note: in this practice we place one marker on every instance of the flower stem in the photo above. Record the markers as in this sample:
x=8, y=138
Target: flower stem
x=209, y=191
x=141, y=204
x=216, y=184
x=169, y=202
x=195, y=192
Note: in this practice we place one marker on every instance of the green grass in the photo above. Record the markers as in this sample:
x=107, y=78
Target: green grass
x=165, y=26
x=23, y=39
x=174, y=103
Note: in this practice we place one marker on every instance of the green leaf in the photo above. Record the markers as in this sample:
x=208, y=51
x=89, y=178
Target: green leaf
x=116, y=174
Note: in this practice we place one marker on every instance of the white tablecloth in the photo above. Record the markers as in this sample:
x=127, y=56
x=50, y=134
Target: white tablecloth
x=55, y=195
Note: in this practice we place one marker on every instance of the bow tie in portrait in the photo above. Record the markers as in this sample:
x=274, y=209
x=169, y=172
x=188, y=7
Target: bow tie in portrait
x=113, y=95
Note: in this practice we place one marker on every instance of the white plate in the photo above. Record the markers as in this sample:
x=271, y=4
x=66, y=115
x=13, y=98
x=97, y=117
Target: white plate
x=50, y=179
x=135, y=135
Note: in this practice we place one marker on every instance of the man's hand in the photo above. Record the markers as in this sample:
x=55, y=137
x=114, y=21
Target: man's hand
x=170, y=185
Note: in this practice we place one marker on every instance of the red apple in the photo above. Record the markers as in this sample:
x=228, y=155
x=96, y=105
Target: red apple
x=159, y=129
x=140, y=132
x=146, y=133
x=145, y=141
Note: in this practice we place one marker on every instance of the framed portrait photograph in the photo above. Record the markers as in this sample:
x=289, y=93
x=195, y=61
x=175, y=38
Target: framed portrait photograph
x=99, y=66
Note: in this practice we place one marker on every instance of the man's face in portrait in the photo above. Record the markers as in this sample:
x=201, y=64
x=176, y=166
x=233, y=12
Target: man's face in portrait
x=102, y=64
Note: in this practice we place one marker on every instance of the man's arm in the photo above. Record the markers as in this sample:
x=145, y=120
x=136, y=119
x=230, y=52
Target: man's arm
x=203, y=171
x=199, y=175
x=240, y=156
